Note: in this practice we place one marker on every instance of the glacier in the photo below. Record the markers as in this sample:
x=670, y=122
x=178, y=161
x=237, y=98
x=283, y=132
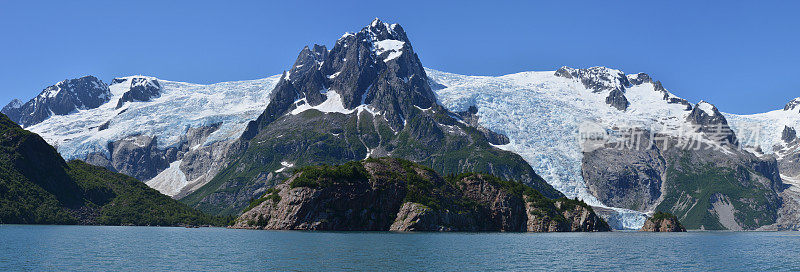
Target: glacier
x=181, y=106
x=541, y=113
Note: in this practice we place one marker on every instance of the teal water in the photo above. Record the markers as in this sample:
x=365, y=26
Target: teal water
x=95, y=248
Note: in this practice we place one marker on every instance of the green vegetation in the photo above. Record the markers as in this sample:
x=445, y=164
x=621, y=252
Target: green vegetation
x=691, y=186
x=123, y=200
x=326, y=175
x=659, y=215
x=272, y=195
x=546, y=207
x=38, y=187
x=313, y=138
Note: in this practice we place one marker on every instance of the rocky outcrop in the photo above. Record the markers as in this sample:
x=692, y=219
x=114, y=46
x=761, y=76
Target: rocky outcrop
x=601, y=80
x=713, y=186
x=788, y=135
x=710, y=121
x=141, y=89
x=62, y=98
x=663, y=222
x=617, y=100
x=792, y=104
x=141, y=157
x=629, y=177
x=397, y=195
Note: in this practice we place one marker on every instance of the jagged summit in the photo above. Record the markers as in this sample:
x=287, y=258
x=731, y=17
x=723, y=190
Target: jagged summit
x=140, y=89
x=368, y=96
x=710, y=121
x=375, y=69
x=615, y=83
x=62, y=98
x=792, y=104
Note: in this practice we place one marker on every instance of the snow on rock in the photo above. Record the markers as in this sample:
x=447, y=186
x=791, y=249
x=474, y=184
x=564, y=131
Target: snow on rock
x=541, y=114
x=393, y=47
x=706, y=107
x=763, y=131
x=285, y=165
x=181, y=106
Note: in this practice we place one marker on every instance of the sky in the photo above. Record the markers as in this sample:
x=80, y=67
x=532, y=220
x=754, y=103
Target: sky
x=741, y=56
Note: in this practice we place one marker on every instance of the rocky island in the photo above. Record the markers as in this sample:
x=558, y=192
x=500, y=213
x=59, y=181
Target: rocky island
x=663, y=222
x=399, y=195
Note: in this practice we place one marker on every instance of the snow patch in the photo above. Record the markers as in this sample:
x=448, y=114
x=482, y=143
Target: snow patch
x=394, y=47
x=706, y=107
x=285, y=165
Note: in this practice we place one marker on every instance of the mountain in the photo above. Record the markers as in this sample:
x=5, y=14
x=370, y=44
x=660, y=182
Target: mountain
x=368, y=96
x=171, y=135
x=63, y=98
x=398, y=195
x=623, y=141
x=38, y=187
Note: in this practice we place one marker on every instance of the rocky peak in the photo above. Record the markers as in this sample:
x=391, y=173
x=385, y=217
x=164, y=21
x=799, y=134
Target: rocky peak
x=640, y=78
x=792, y=104
x=375, y=67
x=710, y=121
x=601, y=80
x=597, y=79
x=141, y=89
x=14, y=104
x=62, y=98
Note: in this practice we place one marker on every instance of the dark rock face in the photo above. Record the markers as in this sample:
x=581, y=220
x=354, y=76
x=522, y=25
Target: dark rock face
x=792, y=104
x=387, y=196
x=663, y=222
x=383, y=106
x=141, y=90
x=679, y=176
x=141, y=158
x=61, y=99
x=137, y=156
x=788, y=135
x=617, y=100
x=630, y=177
x=376, y=66
x=710, y=121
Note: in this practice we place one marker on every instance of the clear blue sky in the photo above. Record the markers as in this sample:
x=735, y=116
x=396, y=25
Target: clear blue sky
x=743, y=56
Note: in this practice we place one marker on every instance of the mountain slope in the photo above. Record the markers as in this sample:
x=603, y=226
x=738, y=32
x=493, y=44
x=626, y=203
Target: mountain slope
x=368, y=96
x=171, y=135
x=38, y=187
x=599, y=134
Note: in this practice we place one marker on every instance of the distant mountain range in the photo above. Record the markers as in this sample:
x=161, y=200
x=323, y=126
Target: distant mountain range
x=216, y=147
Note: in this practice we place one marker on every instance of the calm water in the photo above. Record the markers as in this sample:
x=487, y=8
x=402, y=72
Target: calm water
x=168, y=249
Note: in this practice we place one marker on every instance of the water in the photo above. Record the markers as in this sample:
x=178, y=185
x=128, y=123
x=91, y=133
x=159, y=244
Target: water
x=208, y=249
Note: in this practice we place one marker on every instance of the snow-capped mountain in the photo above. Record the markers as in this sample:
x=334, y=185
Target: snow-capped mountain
x=546, y=116
x=541, y=113
x=370, y=96
x=367, y=97
x=63, y=98
x=168, y=134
